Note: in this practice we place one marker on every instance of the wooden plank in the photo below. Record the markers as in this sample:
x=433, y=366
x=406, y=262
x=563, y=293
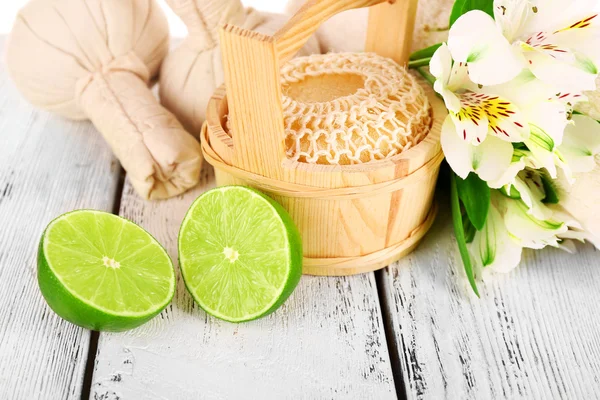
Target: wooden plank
x=327, y=341
x=534, y=334
x=48, y=166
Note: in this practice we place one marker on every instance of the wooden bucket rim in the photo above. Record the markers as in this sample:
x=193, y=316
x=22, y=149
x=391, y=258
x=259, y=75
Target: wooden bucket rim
x=296, y=190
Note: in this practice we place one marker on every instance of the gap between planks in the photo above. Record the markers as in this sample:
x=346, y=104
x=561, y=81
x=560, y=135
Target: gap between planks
x=390, y=337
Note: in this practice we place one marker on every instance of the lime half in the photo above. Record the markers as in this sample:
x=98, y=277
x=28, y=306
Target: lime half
x=103, y=272
x=240, y=254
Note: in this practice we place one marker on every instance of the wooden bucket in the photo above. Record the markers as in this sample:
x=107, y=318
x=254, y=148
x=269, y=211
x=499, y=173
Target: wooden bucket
x=352, y=218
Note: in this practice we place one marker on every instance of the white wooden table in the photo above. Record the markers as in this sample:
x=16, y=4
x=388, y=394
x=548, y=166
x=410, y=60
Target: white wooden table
x=413, y=330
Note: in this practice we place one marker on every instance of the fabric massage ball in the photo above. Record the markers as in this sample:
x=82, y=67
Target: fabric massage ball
x=95, y=60
x=193, y=71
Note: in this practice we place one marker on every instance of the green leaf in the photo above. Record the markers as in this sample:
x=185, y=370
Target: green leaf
x=550, y=190
x=425, y=53
x=475, y=196
x=469, y=229
x=460, y=233
x=464, y=6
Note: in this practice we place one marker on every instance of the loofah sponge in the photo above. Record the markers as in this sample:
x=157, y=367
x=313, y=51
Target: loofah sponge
x=351, y=108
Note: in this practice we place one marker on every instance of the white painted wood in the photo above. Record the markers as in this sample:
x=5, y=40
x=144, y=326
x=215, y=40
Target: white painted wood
x=326, y=342
x=47, y=166
x=534, y=334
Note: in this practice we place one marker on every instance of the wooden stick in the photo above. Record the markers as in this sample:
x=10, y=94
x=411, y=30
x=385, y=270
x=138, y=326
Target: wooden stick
x=307, y=20
x=254, y=98
x=390, y=30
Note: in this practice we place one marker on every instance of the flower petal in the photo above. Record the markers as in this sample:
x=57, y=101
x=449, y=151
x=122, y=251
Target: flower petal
x=581, y=202
x=568, y=77
x=552, y=15
x=548, y=121
x=505, y=119
x=441, y=67
x=532, y=232
x=490, y=58
x=482, y=113
x=452, y=101
x=491, y=159
x=458, y=152
x=441, y=64
x=576, y=229
x=582, y=36
x=509, y=175
x=459, y=77
x=511, y=16
x=494, y=247
x=471, y=124
x=581, y=143
x=525, y=91
x=530, y=187
x=551, y=117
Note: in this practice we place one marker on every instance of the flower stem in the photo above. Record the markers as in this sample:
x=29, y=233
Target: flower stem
x=419, y=63
x=425, y=74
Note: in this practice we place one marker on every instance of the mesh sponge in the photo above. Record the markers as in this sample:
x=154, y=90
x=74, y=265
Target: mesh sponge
x=351, y=108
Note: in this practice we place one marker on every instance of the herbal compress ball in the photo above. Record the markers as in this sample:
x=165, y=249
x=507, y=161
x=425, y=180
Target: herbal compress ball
x=95, y=59
x=192, y=72
x=351, y=108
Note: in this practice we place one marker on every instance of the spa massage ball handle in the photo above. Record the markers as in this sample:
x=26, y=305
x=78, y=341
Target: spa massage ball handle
x=161, y=159
x=95, y=60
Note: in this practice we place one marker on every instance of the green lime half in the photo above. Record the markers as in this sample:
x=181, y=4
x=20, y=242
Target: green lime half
x=240, y=254
x=103, y=272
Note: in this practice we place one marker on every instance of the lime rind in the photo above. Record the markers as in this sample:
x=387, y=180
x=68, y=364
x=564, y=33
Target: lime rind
x=290, y=247
x=61, y=294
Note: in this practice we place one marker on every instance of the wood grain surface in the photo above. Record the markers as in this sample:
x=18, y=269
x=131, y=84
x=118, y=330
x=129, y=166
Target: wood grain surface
x=48, y=166
x=534, y=334
x=326, y=342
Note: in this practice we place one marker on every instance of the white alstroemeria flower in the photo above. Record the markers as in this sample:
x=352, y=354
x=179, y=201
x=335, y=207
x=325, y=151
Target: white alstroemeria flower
x=510, y=227
x=559, y=39
x=475, y=112
x=477, y=134
x=475, y=41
